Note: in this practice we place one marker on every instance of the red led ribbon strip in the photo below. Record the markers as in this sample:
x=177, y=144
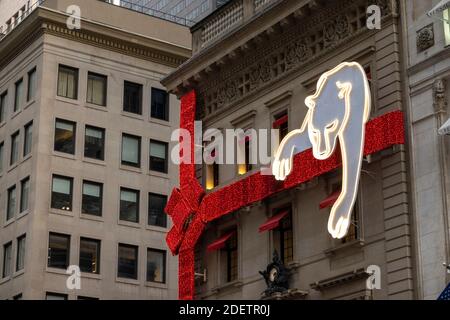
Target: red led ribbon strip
x=190, y=209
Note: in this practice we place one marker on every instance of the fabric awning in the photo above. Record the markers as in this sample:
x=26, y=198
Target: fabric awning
x=445, y=129
x=279, y=122
x=220, y=242
x=273, y=222
x=441, y=6
x=330, y=200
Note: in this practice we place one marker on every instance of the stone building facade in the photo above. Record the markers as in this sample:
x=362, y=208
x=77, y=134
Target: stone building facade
x=84, y=125
x=254, y=63
x=427, y=63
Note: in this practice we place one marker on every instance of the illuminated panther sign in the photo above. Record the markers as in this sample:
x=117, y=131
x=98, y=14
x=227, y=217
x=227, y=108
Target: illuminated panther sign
x=338, y=111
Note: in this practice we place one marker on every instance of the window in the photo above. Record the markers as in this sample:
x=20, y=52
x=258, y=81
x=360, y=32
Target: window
x=156, y=266
x=11, y=205
x=212, y=176
x=89, y=255
x=128, y=261
x=24, y=194
x=7, y=259
x=283, y=235
x=14, y=148
x=132, y=97
x=62, y=193
x=160, y=104
x=58, y=250
x=446, y=18
x=86, y=298
x=94, y=143
x=245, y=167
x=3, y=98
x=231, y=256
x=28, y=139
x=68, y=82
x=131, y=150
x=55, y=296
x=281, y=123
x=158, y=156
x=2, y=151
x=96, y=89
x=65, y=136
x=92, y=202
x=129, y=205
x=156, y=214
x=31, y=85
x=18, y=98
x=353, y=229
x=20, y=259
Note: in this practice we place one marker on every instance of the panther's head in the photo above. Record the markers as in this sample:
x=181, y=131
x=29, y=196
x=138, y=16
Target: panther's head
x=328, y=113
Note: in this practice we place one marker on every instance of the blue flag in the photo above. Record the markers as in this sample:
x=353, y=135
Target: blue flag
x=445, y=295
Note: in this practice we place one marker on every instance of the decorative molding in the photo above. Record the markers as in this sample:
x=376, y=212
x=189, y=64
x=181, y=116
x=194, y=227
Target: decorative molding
x=339, y=279
x=425, y=38
x=439, y=97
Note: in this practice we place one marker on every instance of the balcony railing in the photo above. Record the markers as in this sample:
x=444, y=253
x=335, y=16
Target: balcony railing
x=18, y=18
x=224, y=19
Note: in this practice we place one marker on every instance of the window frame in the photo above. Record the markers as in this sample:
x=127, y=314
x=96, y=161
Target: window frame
x=166, y=162
x=138, y=195
x=74, y=136
x=164, y=275
x=152, y=194
x=15, y=135
x=99, y=184
x=18, y=95
x=10, y=215
x=136, y=254
x=166, y=116
x=8, y=245
x=3, y=106
x=71, y=179
x=22, y=183
x=76, y=85
x=98, y=254
x=127, y=163
x=25, y=138
x=103, y=130
x=140, y=97
x=32, y=73
x=69, y=240
x=105, y=88
x=19, y=239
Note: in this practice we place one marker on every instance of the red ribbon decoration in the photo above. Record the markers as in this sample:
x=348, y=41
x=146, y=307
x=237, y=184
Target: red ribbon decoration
x=190, y=208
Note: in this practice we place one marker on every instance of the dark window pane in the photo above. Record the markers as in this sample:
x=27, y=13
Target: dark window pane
x=131, y=150
x=132, y=97
x=18, y=99
x=232, y=258
x=160, y=104
x=55, y=296
x=3, y=99
x=158, y=156
x=68, y=82
x=24, y=194
x=94, y=143
x=128, y=261
x=96, y=89
x=65, y=136
x=7, y=259
x=11, y=205
x=20, y=259
x=156, y=266
x=129, y=205
x=31, y=84
x=89, y=255
x=62, y=193
x=28, y=139
x=156, y=214
x=58, y=250
x=92, y=202
x=14, y=148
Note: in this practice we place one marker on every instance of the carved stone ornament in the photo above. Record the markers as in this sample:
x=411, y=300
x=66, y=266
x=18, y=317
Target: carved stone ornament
x=425, y=38
x=439, y=98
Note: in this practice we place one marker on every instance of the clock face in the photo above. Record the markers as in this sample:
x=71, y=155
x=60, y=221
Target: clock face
x=273, y=274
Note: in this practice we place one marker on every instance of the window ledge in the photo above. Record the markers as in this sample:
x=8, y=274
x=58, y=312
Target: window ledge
x=165, y=123
x=293, y=265
x=64, y=155
x=94, y=161
x=68, y=100
x=96, y=107
x=26, y=157
x=22, y=214
x=29, y=103
x=18, y=273
x=129, y=224
x=55, y=270
x=9, y=222
x=156, y=285
x=4, y=280
x=61, y=212
x=130, y=168
x=132, y=115
x=16, y=113
x=12, y=167
x=94, y=276
x=91, y=217
x=158, y=174
x=128, y=281
x=228, y=286
x=358, y=243
x=2, y=124
x=156, y=228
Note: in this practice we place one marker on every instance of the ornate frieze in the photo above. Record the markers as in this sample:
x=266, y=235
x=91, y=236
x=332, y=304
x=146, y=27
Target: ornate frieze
x=425, y=38
x=301, y=42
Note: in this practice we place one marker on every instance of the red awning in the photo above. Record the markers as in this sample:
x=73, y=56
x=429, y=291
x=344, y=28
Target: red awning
x=220, y=243
x=273, y=222
x=280, y=121
x=330, y=200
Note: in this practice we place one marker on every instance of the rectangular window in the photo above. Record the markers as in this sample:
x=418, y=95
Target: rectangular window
x=160, y=104
x=231, y=251
x=92, y=202
x=282, y=124
x=18, y=97
x=131, y=150
x=65, y=136
x=24, y=194
x=446, y=18
x=158, y=156
x=129, y=205
x=20, y=259
x=94, y=143
x=132, y=97
x=58, y=250
x=128, y=261
x=96, y=89
x=55, y=296
x=156, y=266
x=31, y=84
x=2, y=151
x=7, y=259
x=68, y=82
x=212, y=176
x=28, y=138
x=3, y=99
x=14, y=148
x=283, y=235
x=90, y=255
x=156, y=214
x=62, y=193
x=11, y=205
